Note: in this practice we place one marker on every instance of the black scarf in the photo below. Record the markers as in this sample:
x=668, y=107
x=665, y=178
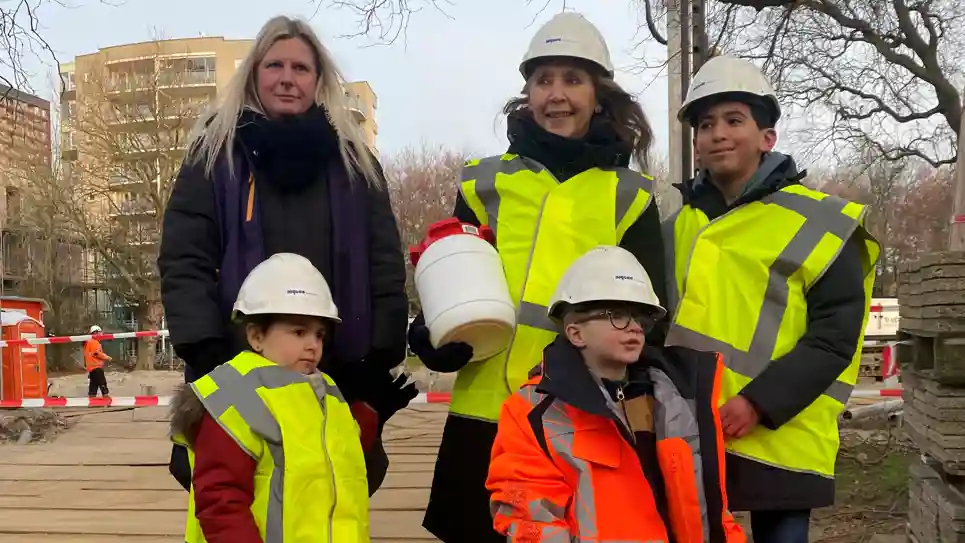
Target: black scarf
x=289, y=151
x=601, y=147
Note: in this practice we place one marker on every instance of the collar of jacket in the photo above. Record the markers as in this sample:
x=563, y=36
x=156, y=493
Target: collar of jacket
x=566, y=377
x=566, y=157
x=776, y=171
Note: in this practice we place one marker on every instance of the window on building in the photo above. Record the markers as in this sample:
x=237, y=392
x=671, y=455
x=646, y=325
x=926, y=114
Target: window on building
x=14, y=203
x=144, y=111
x=203, y=64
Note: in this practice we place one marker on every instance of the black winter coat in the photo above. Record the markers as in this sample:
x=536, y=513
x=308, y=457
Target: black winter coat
x=296, y=217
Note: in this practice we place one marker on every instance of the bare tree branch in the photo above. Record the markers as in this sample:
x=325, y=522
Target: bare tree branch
x=870, y=73
x=22, y=36
x=129, y=125
x=651, y=24
x=387, y=20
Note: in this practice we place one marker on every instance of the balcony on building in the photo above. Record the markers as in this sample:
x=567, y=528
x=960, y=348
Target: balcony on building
x=143, y=237
x=184, y=75
x=133, y=209
x=145, y=145
x=123, y=182
x=356, y=106
x=171, y=113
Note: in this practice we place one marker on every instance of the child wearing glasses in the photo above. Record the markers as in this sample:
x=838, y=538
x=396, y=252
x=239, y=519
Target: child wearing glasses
x=612, y=441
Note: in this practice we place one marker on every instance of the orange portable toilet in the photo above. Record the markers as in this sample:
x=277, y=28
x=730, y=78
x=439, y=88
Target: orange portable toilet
x=24, y=367
x=33, y=307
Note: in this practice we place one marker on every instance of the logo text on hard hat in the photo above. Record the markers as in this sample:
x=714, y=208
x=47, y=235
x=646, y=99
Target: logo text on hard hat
x=295, y=291
x=553, y=40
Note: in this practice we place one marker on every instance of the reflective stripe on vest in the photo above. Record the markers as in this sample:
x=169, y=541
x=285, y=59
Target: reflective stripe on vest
x=541, y=227
x=739, y=284
x=258, y=404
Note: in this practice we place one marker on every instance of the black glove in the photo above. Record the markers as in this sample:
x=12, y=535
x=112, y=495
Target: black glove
x=203, y=356
x=352, y=378
x=446, y=359
x=387, y=396
x=363, y=382
x=385, y=359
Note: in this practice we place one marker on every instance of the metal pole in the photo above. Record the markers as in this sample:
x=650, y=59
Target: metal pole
x=686, y=140
x=956, y=239
x=701, y=46
x=675, y=92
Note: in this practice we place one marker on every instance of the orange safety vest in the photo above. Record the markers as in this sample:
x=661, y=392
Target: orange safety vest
x=94, y=356
x=559, y=473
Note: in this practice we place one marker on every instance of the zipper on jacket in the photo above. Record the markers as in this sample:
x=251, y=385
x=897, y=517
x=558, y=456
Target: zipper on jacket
x=621, y=397
x=331, y=468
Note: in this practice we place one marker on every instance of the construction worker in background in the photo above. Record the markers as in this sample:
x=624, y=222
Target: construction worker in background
x=605, y=445
x=777, y=278
x=563, y=187
x=94, y=358
x=269, y=420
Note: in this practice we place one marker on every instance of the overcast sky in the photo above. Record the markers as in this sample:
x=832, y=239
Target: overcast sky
x=444, y=85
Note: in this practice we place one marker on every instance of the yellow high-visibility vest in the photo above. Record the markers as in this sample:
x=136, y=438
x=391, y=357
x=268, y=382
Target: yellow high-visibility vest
x=310, y=480
x=541, y=227
x=739, y=286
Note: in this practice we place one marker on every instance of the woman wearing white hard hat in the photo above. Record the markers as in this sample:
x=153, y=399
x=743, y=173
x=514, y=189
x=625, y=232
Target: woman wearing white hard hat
x=563, y=187
x=269, y=420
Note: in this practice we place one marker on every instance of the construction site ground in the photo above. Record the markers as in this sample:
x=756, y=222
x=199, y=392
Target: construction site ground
x=105, y=479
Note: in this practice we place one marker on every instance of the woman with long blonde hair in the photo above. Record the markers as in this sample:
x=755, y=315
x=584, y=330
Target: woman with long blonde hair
x=278, y=165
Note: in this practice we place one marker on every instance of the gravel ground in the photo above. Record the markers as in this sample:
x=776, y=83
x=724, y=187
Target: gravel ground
x=119, y=383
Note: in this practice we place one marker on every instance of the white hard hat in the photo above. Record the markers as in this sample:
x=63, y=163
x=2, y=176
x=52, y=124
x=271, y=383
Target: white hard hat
x=286, y=284
x=605, y=274
x=568, y=35
x=728, y=74
x=95, y=329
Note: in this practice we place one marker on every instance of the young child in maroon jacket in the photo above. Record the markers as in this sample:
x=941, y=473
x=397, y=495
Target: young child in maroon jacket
x=224, y=473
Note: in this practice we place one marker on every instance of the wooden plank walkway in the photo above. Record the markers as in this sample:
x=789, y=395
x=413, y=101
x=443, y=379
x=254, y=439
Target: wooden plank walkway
x=106, y=481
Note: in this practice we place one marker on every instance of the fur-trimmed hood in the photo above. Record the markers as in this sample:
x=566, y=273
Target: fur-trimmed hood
x=186, y=413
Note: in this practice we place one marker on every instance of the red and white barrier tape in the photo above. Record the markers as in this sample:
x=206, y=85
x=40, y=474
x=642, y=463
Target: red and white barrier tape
x=422, y=398
x=877, y=393
x=76, y=339
x=150, y=401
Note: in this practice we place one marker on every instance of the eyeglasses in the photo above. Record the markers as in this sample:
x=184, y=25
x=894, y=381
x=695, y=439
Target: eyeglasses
x=621, y=318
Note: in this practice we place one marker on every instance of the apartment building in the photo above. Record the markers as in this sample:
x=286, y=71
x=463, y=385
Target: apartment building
x=363, y=102
x=25, y=150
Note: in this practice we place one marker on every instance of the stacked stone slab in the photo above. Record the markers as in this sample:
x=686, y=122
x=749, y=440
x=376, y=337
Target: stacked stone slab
x=932, y=360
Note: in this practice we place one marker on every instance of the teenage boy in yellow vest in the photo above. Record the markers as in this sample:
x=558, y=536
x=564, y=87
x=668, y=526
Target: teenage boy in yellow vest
x=777, y=278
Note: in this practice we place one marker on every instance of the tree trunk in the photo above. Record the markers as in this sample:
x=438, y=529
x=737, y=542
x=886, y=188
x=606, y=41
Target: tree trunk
x=148, y=318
